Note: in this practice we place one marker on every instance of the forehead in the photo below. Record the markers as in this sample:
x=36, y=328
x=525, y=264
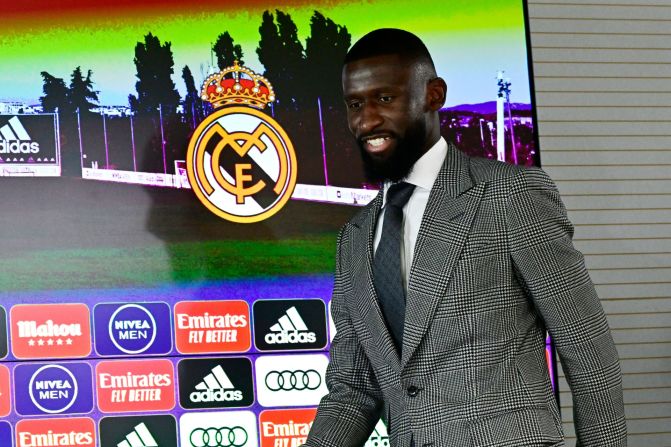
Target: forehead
x=376, y=72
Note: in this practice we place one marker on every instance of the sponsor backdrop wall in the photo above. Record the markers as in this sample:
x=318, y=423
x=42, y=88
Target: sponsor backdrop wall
x=130, y=314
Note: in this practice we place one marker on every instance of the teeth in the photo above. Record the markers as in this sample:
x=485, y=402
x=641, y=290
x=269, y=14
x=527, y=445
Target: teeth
x=376, y=141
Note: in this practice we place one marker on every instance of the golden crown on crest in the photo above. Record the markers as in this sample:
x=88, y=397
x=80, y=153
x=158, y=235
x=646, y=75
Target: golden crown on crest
x=237, y=85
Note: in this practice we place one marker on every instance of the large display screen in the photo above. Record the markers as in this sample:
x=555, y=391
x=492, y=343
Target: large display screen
x=131, y=315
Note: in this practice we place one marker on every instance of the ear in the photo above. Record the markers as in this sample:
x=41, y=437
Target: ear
x=436, y=91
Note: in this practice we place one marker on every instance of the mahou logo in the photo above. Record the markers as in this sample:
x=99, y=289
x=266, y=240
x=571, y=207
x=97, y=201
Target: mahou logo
x=212, y=326
x=5, y=395
x=70, y=432
x=50, y=331
x=136, y=385
x=132, y=328
x=53, y=389
x=285, y=428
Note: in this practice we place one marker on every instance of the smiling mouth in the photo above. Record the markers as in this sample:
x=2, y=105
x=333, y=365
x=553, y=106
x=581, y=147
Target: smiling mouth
x=377, y=144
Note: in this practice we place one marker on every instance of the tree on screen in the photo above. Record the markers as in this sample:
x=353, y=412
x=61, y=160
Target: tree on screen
x=227, y=51
x=154, y=63
x=55, y=93
x=282, y=56
x=325, y=52
x=81, y=93
x=193, y=105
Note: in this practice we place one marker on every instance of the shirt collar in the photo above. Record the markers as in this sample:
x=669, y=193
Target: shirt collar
x=424, y=172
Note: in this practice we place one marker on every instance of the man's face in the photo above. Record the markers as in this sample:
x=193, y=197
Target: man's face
x=387, y=114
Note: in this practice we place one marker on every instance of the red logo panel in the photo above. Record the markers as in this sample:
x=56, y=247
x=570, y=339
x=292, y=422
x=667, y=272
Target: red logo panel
x=212, y=326
x=50, y=331
x=285, y=427
x=141, y=385
x=5, y=397
x=79, y=432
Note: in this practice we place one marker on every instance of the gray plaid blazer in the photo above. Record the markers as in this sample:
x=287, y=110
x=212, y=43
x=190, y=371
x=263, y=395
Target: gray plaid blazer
x=494, y=266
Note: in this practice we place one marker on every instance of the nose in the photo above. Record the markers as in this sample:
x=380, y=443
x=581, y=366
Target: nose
x=369, y=119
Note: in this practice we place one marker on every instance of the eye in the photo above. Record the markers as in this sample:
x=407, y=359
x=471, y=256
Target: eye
x=354, y=105
x=385, y=99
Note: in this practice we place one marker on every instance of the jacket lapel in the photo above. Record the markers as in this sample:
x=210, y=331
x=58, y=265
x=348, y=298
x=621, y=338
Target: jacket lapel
x=365, y=305
x=445, y=226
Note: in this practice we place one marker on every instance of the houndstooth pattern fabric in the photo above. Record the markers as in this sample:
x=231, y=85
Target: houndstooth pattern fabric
x=494, y=266
x=387, y=275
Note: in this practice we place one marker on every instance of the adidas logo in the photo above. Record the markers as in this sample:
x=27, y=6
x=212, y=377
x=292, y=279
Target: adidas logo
x=14, y=139
x=290, y=328
x=140, y=437
x=216, y=387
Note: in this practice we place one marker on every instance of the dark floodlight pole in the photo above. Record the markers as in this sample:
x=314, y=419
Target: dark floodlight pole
x=160, y=117
x=321, y=130
x=79, y=132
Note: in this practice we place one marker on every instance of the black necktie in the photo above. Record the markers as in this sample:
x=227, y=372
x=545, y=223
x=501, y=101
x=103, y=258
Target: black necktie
x=387, y=274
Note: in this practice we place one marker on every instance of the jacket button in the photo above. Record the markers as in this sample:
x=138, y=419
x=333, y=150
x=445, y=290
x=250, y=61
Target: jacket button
x=413, y=391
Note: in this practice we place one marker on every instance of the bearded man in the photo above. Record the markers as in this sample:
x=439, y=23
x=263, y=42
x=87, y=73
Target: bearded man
x=447, y=281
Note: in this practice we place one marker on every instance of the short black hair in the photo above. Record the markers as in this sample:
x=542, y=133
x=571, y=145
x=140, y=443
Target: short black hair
x=387, y=41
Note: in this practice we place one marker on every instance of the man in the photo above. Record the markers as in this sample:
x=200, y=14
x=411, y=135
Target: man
x=446, y=282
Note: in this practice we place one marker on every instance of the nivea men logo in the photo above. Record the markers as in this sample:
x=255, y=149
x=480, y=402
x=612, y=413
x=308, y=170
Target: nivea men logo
x=14, y=139
x=132, y=328
x=138, y=431
x=215, y=383
x=53, y=389
x=295, y=324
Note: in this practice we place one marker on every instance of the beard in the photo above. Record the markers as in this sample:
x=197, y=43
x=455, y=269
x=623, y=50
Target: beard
x=398, y=164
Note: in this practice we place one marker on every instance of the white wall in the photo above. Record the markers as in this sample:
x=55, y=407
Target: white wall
x=603, y=89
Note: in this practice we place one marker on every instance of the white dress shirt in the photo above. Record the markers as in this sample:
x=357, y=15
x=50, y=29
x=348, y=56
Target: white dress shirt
x=423, y=175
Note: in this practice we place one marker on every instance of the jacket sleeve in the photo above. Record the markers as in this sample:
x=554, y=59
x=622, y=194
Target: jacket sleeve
x=348, y=413
x=555, y=276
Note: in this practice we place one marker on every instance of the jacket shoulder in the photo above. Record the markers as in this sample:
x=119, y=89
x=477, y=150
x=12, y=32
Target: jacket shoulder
x=488, y=170
x=499, y=173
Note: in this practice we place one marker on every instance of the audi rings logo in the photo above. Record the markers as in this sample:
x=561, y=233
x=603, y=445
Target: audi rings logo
x=279, y=387
x=218, y=429
x=219, y=437
x=293, y=380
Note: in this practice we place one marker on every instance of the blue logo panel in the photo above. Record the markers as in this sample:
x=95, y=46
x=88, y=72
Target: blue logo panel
x=132, y=328
x=53, y=389
x=5, y=434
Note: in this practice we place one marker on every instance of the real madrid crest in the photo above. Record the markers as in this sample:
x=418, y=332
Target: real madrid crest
x=240, y=162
